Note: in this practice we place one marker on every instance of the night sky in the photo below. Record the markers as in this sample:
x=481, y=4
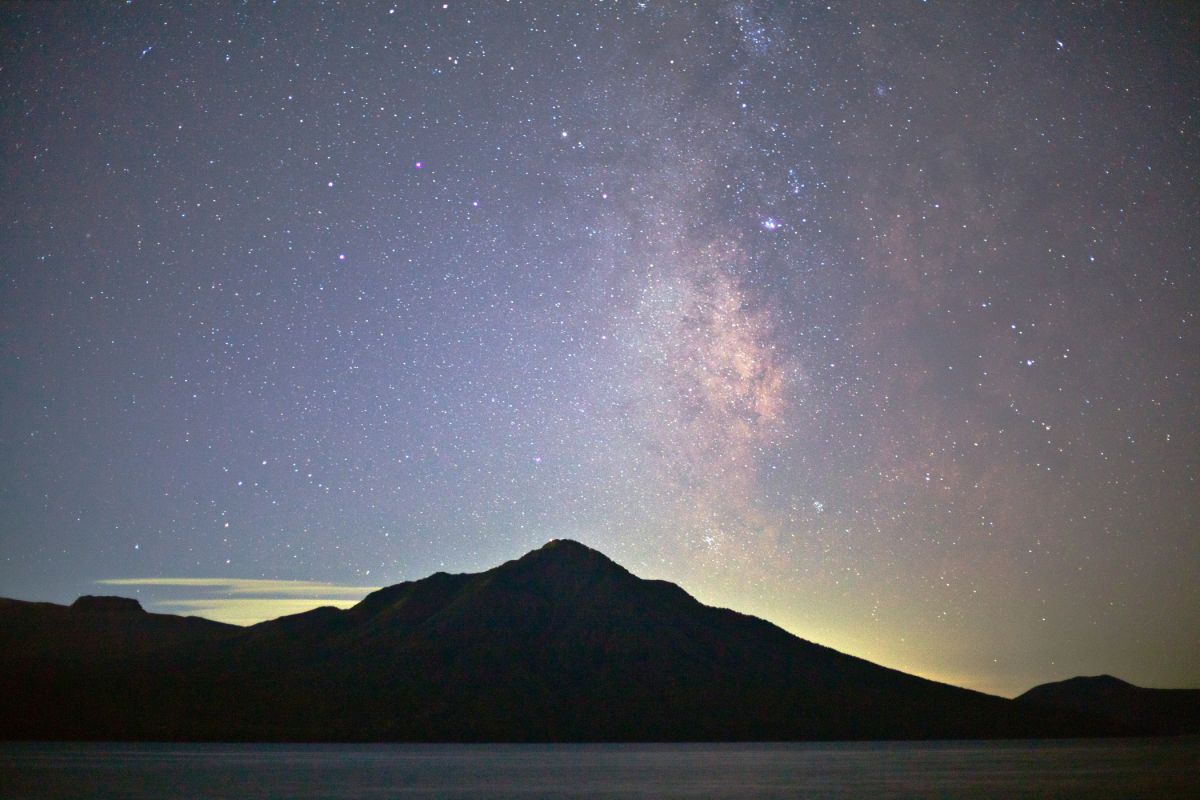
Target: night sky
x=877, y=320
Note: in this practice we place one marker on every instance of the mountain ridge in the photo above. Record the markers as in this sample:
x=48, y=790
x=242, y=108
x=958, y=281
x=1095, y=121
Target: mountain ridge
x=561, y=644
x=1150, y=711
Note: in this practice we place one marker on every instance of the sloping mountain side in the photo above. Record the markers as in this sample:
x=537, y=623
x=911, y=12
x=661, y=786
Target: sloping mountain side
x=559, y=645
x=1149, y=711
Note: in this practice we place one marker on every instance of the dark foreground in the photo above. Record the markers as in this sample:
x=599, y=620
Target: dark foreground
x=1108, y=768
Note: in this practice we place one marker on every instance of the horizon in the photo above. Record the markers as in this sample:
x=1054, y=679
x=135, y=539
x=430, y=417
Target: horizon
x=877, y=321
x=244, y=604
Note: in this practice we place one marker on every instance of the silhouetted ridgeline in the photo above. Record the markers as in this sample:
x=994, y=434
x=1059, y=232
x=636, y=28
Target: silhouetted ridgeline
x=560, y=645
x=1151, y=711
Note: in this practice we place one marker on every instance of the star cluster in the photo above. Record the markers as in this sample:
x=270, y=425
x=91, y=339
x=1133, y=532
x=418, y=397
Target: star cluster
x=878, y=320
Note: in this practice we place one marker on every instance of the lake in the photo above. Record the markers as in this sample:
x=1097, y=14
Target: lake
x=1125, y=768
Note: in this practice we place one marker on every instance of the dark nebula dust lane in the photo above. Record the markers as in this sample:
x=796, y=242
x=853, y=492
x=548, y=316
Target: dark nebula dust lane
x=877, y=320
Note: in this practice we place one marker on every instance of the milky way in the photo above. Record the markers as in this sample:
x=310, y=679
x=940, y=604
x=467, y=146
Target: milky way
x=877, y=320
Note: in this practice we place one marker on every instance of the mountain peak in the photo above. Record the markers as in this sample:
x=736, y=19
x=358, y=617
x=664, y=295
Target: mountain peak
x=567, y=547
x=103, y=604
x=1141, y=710
x=1089, y=684
x=1106, y=681
x=568, y=554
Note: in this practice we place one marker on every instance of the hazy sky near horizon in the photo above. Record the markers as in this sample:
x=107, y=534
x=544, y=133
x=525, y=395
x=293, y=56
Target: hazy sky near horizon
x=878, y=320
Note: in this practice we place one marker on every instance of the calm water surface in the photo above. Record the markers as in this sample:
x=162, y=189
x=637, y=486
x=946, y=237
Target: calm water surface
x=1128, y=768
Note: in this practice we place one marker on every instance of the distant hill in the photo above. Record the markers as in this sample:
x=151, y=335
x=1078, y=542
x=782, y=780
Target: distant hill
x=560, y=645
x=94, y=627
x=1150, y=711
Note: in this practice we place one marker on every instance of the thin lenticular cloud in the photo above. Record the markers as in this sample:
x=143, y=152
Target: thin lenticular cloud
x=241, y=601
x=248, y=587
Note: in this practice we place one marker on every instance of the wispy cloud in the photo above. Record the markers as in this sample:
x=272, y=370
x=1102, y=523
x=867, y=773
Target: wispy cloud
x=251, y=586
x=240, y=601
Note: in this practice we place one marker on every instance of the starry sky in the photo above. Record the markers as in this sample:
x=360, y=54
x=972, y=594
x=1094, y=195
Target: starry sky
x=877, y=320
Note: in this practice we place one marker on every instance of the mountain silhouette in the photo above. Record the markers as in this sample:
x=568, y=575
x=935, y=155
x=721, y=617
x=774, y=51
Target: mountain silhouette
x=1148, y=711
x=562, y=644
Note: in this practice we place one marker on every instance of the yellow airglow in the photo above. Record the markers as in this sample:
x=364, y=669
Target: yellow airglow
x=239, y=601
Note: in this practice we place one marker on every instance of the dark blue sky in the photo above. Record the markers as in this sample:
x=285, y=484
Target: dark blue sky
x=878, y=320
